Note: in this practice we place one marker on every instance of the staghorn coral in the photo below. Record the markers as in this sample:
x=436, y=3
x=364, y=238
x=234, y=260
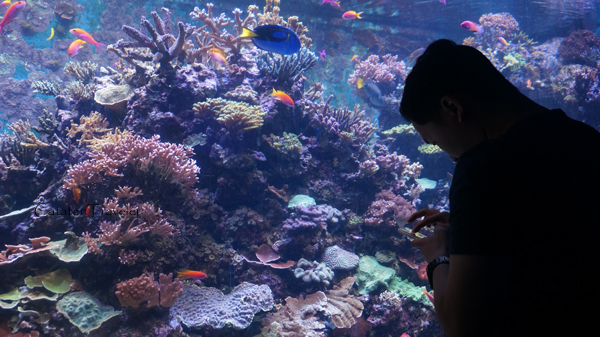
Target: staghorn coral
x=388, y=70
x=210, y=35
x=238, y=117
x=79, y=91
x=45, y=88
x=81, y=71
x=200, y=306
x=337, y=258
x=286, y=67
x=90, y=127
x=162, y=43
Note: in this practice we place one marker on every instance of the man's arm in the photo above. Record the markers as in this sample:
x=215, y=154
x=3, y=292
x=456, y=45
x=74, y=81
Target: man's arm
x=470, y=294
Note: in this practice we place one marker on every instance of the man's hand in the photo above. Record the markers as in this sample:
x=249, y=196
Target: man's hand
x=438, y=244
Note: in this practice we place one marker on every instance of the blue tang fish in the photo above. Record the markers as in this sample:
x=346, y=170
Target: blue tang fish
x=276, y=39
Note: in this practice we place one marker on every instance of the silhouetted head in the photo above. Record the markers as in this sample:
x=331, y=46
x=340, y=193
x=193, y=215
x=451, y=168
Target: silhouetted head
x=448, y=69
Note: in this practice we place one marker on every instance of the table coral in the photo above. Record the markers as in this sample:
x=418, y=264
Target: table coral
x=200, y=306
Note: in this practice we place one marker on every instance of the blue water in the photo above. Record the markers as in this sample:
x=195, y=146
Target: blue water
x=226, y=200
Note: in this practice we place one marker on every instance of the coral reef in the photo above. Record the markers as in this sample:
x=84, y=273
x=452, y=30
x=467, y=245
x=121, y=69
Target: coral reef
x=337, y=258
x=199, y=306
x=84, y=311
x=313, y=272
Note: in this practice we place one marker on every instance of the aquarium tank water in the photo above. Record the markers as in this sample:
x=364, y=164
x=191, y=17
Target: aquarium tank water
x=241, y=168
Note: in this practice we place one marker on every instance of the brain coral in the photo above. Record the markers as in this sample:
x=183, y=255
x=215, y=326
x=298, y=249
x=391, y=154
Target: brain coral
x=337, y=258
x=199, y=306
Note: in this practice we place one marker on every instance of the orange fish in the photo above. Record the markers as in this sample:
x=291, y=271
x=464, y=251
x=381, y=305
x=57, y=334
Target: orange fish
x=11, y=13
x=283, y=97
x=429, y=296
x=528, y=85
x=353, y=58
x=351, y=15
x=217, y=56
x=76, y=194
x=88, y=210
x=191, y=274
x=85, y=36
x=74, y=47
x=405, y=334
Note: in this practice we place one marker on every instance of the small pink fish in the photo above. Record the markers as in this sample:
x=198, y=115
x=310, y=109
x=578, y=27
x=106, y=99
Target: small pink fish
x=74, y=47
x=85, y=36
x=11, y=13
x=351, y=15
x=472, y=26
x=404, y=335
x=5, y=3
x=331, y=2
x=443, y=1
x=323, y=54
x=503, y=40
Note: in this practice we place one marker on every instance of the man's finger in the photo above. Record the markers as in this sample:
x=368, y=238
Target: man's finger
x=430, y=220
x=421, y=213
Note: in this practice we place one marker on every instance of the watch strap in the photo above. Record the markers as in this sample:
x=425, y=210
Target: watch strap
x=431, y=266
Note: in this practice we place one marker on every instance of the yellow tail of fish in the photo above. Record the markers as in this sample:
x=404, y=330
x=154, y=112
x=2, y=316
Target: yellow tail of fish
x=248, y=33
x=360, y=83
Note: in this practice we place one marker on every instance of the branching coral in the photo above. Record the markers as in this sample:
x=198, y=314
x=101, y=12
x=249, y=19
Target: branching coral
x=210, y=36
x=388, y=70
x=171, y=162
x=161, y=42
x=81, y=71
x=286, y=67
x=90, y=127
x=238, y=117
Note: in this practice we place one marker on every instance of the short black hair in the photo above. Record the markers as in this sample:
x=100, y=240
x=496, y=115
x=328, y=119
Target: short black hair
x=446, y=68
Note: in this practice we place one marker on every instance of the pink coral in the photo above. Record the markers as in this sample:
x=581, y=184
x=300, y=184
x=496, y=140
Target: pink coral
x=266, y=255
x=171, y=161
x=385, y=71
x=139, y=290
x=388, y=208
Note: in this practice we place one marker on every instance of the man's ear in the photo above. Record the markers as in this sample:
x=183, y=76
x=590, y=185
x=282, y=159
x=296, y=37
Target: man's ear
x=452, y=109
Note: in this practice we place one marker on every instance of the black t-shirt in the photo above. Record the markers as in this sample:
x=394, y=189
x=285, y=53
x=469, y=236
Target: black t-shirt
x=533, y=194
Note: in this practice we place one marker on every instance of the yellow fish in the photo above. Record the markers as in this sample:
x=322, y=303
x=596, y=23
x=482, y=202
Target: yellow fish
x=51, y=34
x=360, y=83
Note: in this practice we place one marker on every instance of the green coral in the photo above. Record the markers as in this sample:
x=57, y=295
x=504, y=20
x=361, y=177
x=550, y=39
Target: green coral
x=238, y=117
x=405, y=288
x=71, y=249
x=301, y=200
x=515, y=61
x=429, y=149
x=287, y=145
x=84, y=311
x=58, y=281
x=400, y=129
x=371, y=275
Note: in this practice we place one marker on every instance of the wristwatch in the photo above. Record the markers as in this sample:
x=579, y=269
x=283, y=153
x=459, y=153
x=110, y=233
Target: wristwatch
x=431, y=266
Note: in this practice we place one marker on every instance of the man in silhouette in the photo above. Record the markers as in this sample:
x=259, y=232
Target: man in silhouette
x=517, y=253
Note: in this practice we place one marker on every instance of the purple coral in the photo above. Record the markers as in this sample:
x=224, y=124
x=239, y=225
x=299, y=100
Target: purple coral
x=307, y=216
x=582, y=47
x=388, y=208
x=337, y=258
